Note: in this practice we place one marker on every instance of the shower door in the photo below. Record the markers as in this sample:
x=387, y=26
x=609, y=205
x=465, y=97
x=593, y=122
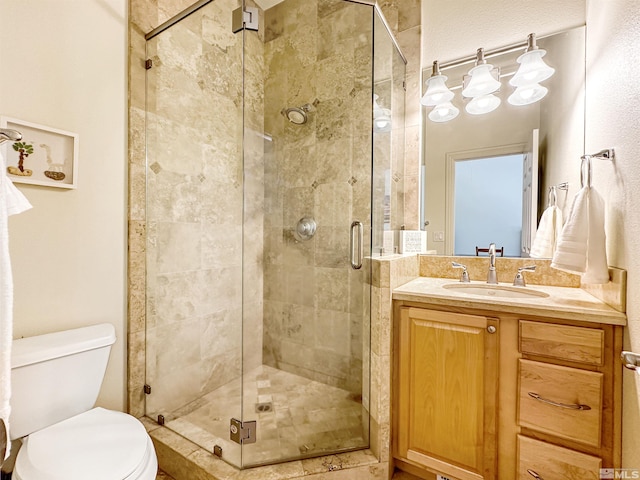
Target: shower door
x=307, y=229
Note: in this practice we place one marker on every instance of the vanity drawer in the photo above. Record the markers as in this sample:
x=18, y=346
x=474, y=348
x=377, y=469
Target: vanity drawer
x=575, y=344
x=561, y=401
x=550, y=462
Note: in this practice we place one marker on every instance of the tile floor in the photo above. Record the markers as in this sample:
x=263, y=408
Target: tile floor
x=398, y=475
x=300, y=417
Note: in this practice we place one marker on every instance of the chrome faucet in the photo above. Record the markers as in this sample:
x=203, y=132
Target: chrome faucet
x=492, y=276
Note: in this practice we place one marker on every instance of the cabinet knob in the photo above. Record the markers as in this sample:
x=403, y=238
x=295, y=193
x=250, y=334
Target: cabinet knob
x=491, y=329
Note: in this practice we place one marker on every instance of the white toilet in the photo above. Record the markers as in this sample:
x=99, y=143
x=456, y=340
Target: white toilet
x=55, y=380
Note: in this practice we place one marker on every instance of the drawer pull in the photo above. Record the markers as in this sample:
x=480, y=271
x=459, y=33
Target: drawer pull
x=571, y=406
x=534, y=474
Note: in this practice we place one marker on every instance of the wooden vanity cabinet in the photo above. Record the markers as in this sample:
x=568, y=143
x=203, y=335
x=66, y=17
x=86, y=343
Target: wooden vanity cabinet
x=555, y=411
x=447, y=367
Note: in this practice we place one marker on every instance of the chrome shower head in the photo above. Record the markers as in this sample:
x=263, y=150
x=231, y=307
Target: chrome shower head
x=297, y=115
x=8, y=135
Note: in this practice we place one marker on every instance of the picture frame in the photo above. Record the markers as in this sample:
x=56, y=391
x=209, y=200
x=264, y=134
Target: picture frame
x=44, y=156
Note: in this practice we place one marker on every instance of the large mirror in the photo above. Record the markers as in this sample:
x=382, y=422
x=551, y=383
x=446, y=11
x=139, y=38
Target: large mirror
x=488, y=177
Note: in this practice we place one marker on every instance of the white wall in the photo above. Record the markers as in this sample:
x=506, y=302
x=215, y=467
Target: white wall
x=613, y=106
x=63, y=64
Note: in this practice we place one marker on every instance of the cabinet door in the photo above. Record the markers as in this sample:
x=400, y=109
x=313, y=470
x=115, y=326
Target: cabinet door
x=447, y=390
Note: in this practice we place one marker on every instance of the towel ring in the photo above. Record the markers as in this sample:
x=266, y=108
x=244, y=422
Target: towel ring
x=552, y=194
x=586, y=164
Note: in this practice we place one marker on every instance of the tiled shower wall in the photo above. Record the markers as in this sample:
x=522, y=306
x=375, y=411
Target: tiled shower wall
x=317, y=53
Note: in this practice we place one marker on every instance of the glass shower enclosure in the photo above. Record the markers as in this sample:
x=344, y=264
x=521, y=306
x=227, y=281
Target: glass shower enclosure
x=265, y=201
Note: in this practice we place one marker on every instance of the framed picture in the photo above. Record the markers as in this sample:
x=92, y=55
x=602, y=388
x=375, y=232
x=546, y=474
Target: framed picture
x=44, y=156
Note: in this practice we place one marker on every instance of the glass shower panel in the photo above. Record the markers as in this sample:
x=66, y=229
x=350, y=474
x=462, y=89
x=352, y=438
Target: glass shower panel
x=388, y=140
x=194, y=227
x=308, y=169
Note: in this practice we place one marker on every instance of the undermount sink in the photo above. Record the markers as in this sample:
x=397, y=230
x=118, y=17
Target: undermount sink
x=490, y=290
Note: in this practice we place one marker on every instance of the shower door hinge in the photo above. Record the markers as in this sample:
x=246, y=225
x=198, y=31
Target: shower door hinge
x=148, y=63
x=147, y=389
x=244, y=19
x=242, y=432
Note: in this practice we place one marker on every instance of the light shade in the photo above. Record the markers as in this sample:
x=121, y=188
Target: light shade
x=527, y=94
x=437, y=91
x=381, y=116
x=443, y=112
x=482, y=104
x=482, y=81
x=532, y=69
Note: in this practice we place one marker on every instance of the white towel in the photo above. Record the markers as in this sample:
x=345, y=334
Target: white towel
x=12, y=201
x=581, y=247
x=545, y=241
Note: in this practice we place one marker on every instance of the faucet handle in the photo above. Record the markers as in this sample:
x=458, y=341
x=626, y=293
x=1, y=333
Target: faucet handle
x=518, y=281
x=465, y=275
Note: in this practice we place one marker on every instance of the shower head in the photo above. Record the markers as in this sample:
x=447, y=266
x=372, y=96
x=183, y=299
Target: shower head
x=6, y=134
x=297, y=115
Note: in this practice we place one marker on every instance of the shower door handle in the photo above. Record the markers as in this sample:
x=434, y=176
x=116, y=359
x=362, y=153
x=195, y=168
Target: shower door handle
x=357, y=253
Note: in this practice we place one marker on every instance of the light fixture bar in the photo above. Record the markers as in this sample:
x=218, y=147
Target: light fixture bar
x=491, y=53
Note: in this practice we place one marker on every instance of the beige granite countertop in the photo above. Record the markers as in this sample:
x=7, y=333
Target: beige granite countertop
x=563, y=302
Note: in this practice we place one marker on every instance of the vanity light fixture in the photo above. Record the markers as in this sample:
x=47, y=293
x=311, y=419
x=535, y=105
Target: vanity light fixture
x=532, y=68
x=381, y=116
x=482, y=78
x=437, y=90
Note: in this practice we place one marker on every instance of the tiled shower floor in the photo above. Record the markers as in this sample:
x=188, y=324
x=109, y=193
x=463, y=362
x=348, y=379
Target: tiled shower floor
x=306, y=418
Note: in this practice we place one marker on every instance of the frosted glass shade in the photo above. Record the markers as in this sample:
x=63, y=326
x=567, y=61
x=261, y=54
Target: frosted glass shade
x=482, y=104
x=532, y=69
x=381, y=117
x=437, y=91
x=527, y=94
x=443, y=112
x=482, y=82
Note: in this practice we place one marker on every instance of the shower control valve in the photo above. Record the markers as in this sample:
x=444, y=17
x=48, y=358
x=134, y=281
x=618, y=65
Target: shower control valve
x=305, y=229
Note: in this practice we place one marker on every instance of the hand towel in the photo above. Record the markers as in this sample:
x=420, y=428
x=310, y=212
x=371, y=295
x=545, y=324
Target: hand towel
x=11, y=201
x=597, y=265
x=581, y=247
x=545, y=241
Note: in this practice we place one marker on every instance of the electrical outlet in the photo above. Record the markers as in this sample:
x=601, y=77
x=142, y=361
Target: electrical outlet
x=438, y=236
x=442, y=477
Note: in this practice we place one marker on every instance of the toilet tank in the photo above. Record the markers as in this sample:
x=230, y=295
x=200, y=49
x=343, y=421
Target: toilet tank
x=57, y=375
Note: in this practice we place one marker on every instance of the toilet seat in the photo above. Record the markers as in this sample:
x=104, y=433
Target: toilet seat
x=98, y=444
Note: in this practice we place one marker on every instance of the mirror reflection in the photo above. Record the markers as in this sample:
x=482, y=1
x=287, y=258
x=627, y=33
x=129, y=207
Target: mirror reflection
x=487, y=175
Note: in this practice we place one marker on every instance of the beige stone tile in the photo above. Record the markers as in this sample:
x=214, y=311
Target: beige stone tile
x=409, y=14
x=411, y=202
x=136, y=372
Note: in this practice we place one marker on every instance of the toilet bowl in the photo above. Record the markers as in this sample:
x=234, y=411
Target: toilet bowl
x=96, y=445
x=55, y=382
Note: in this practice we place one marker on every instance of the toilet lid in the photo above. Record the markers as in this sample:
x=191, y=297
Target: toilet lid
x=98, y=445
